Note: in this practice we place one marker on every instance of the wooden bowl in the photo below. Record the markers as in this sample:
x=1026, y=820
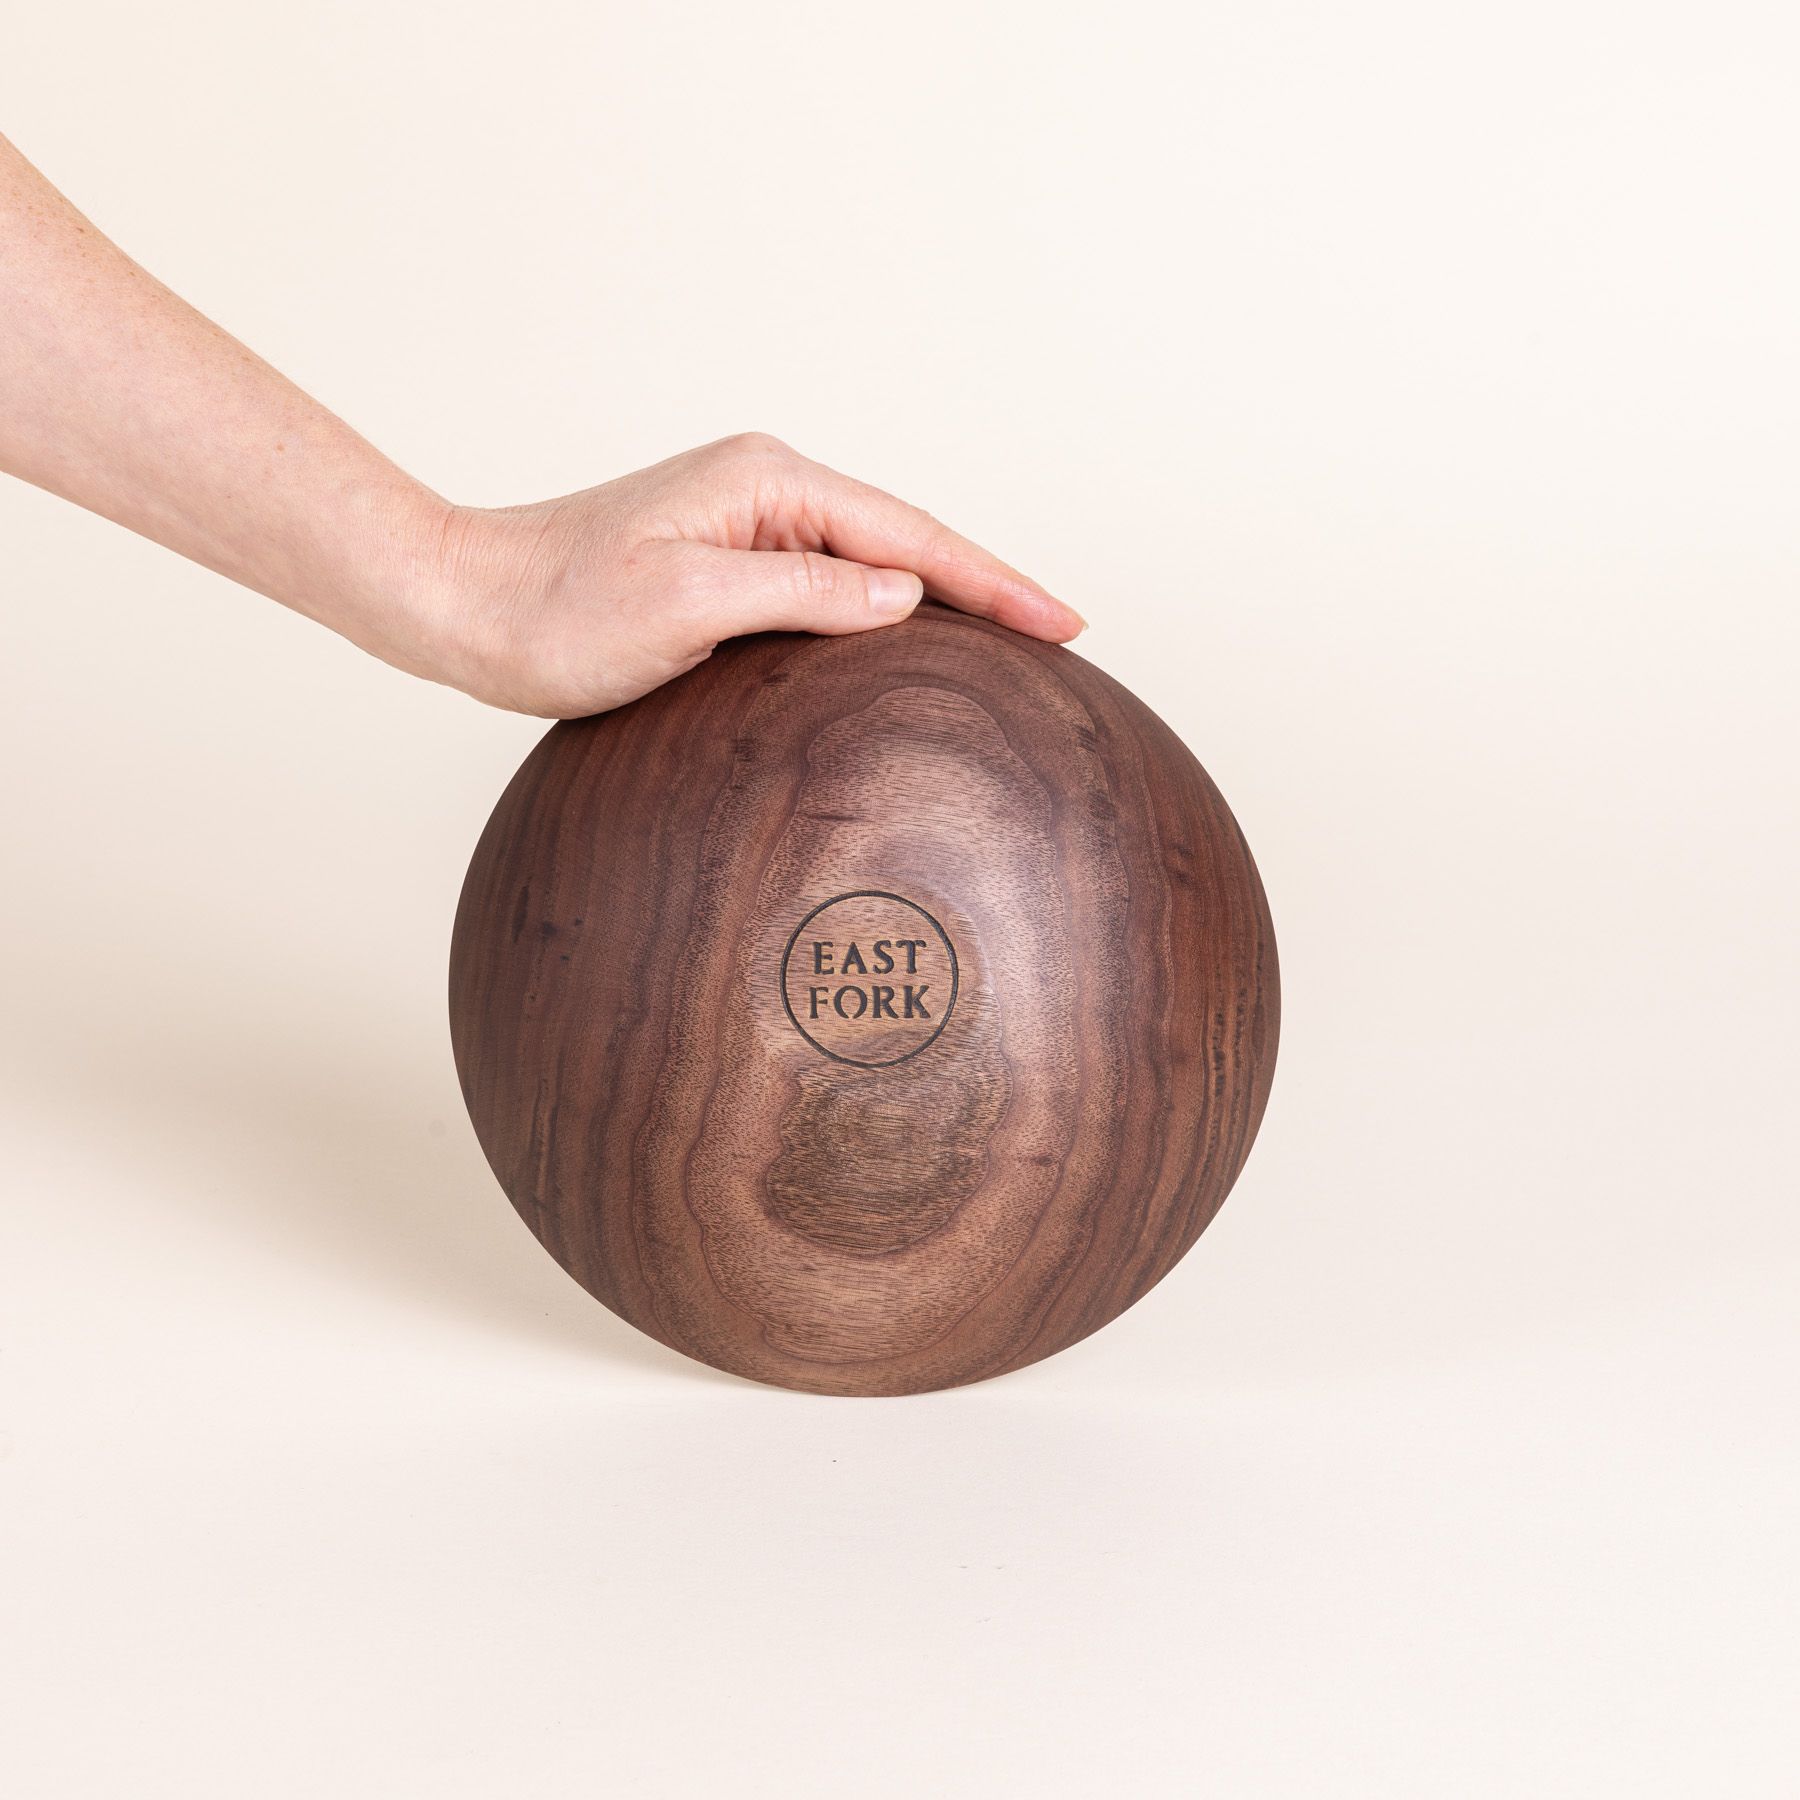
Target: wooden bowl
x=866, y=1014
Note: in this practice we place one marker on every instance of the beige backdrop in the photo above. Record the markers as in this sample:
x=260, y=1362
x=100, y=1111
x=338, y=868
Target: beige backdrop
x=1408, y=393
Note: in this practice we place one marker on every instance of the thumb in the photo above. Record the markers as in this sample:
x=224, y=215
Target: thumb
x=800, y=590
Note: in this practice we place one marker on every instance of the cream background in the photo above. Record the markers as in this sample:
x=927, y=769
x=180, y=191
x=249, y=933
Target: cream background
x=1408, y=394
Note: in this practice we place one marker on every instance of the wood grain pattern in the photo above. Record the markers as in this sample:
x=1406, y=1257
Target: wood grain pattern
x=667, y=1004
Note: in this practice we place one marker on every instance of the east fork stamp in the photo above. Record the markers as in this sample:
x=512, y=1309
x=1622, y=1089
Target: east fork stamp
x=869, y=978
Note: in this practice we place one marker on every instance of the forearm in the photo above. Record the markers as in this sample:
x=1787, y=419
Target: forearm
x=117, y=395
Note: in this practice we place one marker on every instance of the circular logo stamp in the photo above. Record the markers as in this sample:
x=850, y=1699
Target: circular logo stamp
x=869, y=978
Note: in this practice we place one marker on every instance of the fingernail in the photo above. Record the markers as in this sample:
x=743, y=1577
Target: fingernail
x=893, y=593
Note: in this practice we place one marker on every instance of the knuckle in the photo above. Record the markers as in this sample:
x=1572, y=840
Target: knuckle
x=816, y=580
x=938, y=545
x=752, y=444
x=934, y=534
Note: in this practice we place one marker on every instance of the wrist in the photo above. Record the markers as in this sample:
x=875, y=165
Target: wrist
x=426, y=562
x=459, y=581
x=372, y=569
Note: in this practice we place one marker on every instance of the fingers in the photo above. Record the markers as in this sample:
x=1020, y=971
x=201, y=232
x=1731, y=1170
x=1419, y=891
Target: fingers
x=736, y=591
x=870, y=526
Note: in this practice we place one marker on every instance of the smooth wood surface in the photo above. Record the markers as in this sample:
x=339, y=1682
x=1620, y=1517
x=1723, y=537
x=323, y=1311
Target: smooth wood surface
x=668, y=1008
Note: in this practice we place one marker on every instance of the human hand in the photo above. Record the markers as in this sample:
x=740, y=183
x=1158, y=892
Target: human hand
x=117, y=395
x=580, y=604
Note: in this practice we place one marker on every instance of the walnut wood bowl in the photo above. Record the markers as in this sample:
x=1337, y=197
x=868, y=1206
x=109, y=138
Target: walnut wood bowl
x=866, y=1014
